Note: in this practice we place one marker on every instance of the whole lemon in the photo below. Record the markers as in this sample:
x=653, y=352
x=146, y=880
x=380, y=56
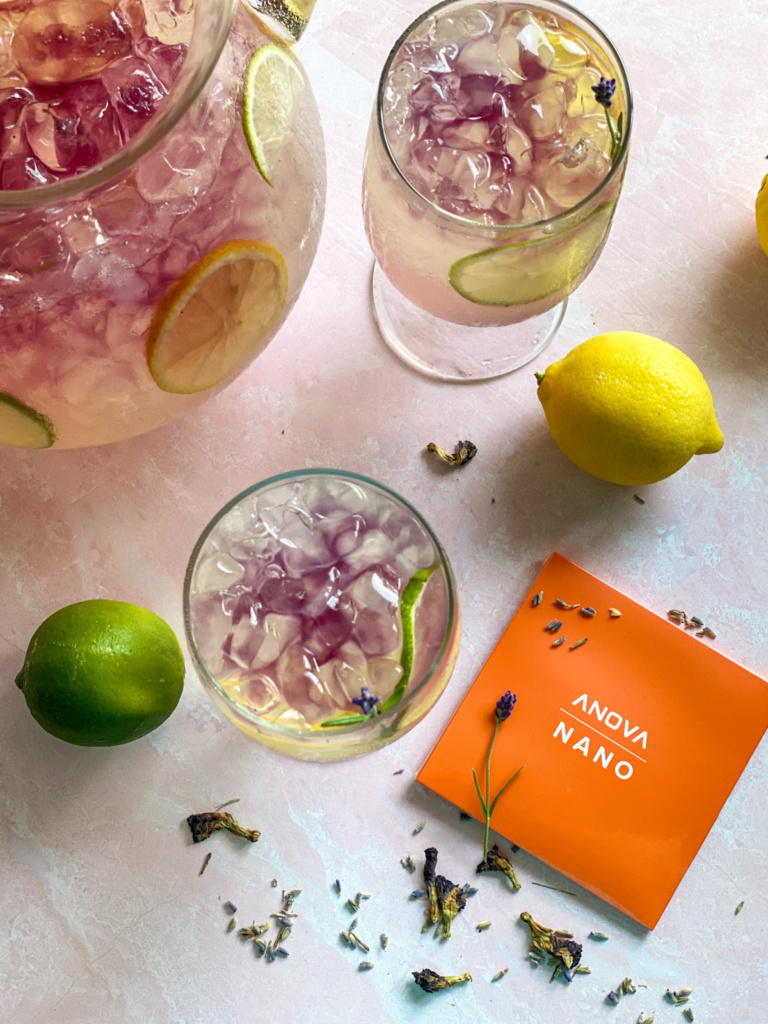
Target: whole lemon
x=99, y=673
x=629, y=408
x=761, y=214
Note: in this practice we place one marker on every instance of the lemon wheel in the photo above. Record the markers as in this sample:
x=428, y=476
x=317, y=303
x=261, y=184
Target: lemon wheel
x=216, y=317
x=21, y=426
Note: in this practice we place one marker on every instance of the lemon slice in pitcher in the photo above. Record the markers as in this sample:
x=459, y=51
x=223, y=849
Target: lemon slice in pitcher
x=217, y=316
x=512, y=275
x=273, y=82
x=21, y=426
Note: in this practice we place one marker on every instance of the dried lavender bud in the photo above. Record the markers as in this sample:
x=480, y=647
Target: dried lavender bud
x=578, y=643
x=230, y=908
x=628, y=987
x=483, y=926
x=205, y=863
x=360, y=943
x=261, y=947
x=253, y=931
x=431, y=981
x=408, y=863
x=599, y=936
x=613, y=997
x=204, y=825
x=232, y=924
x=496, y=861
x=384, y=940
x=560, y=640
x=419, y=827
x=642, y=1019
x=536, y=599
x=636, y=497
x=500, y=974
x=614, y=613
x=337, y=887
x=564, y=604
x=553, y=626
x=588, y=611
x=281, y=951
x=462, y=453
x=419, y=894
x=399, y=771
x=688, y=1013
x=738, y=908
x=365, y=965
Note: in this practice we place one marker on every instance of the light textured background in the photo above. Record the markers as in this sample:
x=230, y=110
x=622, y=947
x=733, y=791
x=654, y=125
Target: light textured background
x=104, y=918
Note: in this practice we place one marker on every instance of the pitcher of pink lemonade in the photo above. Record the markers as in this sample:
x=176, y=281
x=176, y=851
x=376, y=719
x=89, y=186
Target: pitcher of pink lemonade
x=162, y=190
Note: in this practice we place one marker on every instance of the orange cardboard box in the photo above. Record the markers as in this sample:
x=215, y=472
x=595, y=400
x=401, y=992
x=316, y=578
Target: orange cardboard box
x=632, y=742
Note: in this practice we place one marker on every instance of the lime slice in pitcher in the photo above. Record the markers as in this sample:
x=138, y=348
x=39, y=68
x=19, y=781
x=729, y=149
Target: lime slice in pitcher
x=512, y=275
x=273, y=82
x=22, y=426
x=217, y=316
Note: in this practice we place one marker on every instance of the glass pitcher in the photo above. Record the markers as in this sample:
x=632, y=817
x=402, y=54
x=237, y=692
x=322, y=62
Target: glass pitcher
x=162, y=191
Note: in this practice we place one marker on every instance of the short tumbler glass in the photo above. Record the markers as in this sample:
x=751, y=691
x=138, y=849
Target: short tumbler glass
x=321, y=614
x=492, y=173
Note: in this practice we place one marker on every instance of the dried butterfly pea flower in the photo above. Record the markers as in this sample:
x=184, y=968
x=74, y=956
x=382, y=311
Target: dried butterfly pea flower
x=204, y=825
x=496, y=861
x=431, y=981
x=462, y=453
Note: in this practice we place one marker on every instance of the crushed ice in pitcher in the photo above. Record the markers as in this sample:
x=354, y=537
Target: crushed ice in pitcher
x=295, y=599
x=490, y=113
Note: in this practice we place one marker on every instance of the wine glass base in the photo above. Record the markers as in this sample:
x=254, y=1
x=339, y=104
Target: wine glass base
x=453, y=352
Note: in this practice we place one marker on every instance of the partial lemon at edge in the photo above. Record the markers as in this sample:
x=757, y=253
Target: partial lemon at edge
x=217, y=316
x=629, y=408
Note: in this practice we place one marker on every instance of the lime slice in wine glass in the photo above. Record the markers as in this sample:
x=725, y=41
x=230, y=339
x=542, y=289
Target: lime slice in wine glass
x=21, y=426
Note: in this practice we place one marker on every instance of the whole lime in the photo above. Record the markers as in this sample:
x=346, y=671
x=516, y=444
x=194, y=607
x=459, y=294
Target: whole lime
x=629, y=408
x=99, y=673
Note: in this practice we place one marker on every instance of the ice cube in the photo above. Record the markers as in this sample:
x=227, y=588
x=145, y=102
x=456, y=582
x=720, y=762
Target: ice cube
x=377, y=588
x=570, y=51
x=135, y=91
x=536, y=52
x=535, y=207
x=466, y=135
x=345, y=675
x=518, y=146
x=384, y=674
x=343, y=533
x=298, y=676
x=269, y=639
x=325, y=632
x=20, y=172
x=61, y=41
x=541, y=115
x=217, y=573
x=509, y=55
x=579, y=94
x=211, y=625
x=592, y=127
x=476, y=95
x=375, y=548
x=578, y=172
x=260, y=694
x=428, y=57
x=164, y=60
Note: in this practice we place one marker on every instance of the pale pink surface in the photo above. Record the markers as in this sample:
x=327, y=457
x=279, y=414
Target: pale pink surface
x=104, y=918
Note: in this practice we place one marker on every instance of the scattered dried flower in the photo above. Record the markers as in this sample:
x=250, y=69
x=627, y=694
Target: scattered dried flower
x=500, y=974
x=536, y=599
x=399, y=771
x=408, y=863
x=384, y=940
x=204, y=825
x=614, y=613
x=232, y=924
x=564, y=953
x=483, y=926
x=230, y=908
x=678, y=998
x=419, y=894
x=254, y=931
x=205, y=863
x=578, y=643
x=419, y=827
x=739, y=908
x=227, y=803
x=564, y=604
x=431, y=981
x=462, y=453
x=337, y=887
x=451, y=901
x=365, y=965
x=636, y=497
x=688, y=1013
x=553, y=626
x=642, y=1019
x=560, y=640
x=588, y=611
x=496, y=861
x=599, y=936
x=273, y=883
